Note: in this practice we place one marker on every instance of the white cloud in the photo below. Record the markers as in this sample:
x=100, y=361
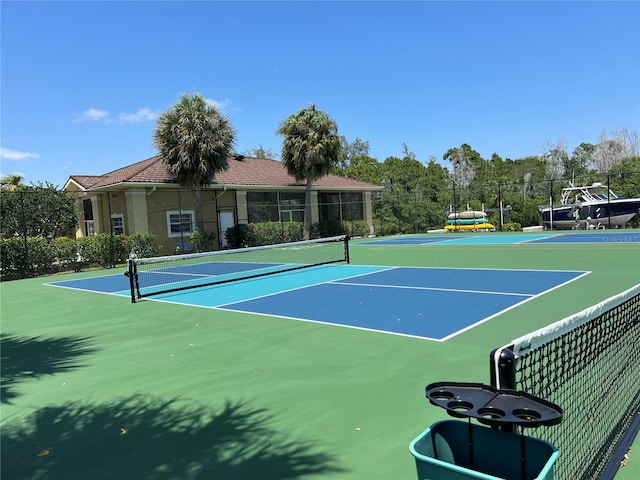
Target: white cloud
x=141, y=115
x=16, y=155
x=91, y=115
x=219, y=104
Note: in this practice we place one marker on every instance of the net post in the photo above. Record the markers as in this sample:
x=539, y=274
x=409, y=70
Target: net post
x=503, y=373
x=346, y=248
x=133, y=277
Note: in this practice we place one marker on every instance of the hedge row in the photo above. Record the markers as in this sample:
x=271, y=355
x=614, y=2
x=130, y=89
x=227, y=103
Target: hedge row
x=270, y=233
x=43, y=256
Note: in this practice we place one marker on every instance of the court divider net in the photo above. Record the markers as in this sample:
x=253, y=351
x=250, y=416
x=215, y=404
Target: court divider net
x=589, y=365
x=157, y=275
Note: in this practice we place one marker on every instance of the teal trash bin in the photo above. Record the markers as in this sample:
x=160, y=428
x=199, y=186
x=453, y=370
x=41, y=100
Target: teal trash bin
x=444, y=452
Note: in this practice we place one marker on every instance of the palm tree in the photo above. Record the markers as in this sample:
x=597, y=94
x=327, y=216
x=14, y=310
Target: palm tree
x=12, y=182
x=310, y=150
x=194, y=140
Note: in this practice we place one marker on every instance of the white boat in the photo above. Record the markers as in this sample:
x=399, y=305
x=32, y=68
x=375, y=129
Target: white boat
x=467, y=214
x=589, y=207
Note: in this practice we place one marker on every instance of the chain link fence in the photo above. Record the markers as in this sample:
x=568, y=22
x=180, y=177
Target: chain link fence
x=508, y=205
x=45, y=231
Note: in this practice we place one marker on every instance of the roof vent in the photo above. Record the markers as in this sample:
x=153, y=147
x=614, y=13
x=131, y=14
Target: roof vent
x=239, y=158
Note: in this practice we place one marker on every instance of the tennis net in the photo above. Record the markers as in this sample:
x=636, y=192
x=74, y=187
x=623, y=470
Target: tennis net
x=589, y=365
x=157, y=275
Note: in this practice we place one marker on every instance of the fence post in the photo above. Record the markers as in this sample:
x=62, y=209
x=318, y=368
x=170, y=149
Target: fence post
x=24, y=235
x=500, y=206
x=416, y=226
x=609, y=199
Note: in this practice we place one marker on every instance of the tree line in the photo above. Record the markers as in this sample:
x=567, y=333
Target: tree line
x=194, y=139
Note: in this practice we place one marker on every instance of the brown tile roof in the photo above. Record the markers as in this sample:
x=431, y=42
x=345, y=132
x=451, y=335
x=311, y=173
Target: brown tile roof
x=85, y=180
x=247, y=171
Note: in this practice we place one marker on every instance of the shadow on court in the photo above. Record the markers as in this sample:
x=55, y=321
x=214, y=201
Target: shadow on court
x=143, y=437
x=28, y=358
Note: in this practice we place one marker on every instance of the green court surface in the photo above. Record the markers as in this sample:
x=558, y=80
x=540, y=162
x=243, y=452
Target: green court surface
x=96, y=387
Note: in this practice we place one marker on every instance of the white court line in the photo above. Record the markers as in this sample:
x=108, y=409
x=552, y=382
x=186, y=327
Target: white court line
x=301, y=287
x=119, y=293
x=473, y=325
x=440, y=289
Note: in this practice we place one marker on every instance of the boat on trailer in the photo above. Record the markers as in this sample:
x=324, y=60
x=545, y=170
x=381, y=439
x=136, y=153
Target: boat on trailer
x=589, y=207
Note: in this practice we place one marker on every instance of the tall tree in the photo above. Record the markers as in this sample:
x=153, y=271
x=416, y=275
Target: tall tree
x=310, y=150
x=406, y=174
x=261, y=152
x=463, y=162
x=351, y=150
x=39, y=210
x=580, y=159
x=12, y=182
x=194, y=140
x=435, y=180
x=365, y=168
x=609, y=152
x=555, y=157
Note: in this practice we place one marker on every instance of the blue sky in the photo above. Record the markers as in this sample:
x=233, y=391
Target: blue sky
x=82, y=82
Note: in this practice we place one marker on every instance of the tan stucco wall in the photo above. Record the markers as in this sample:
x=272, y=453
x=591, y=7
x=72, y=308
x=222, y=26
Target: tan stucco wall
x=136, y=218
x=145, y=210
x=159, y=202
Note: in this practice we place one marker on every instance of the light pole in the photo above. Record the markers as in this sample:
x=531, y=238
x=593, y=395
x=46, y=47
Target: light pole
x=456, y=224
x=455, y=210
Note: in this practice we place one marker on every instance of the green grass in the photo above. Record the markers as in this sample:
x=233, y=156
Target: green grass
x=95, y=387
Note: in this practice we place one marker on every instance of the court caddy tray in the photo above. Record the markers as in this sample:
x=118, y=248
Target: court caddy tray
x=493, y=407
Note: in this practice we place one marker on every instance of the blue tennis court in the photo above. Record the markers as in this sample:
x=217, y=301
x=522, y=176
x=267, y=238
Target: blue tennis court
x=506, y=239
x=428, y=303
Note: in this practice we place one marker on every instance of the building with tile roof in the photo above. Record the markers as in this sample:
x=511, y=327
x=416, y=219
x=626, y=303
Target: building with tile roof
x=144, y=197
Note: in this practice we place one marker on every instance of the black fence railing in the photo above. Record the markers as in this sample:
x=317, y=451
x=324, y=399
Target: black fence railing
x=39, y=228
x=508, y=205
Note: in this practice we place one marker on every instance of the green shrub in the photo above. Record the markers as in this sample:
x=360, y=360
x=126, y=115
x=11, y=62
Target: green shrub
x=142, y=245
x=39, y=259
x=293, y=231
x=332, y=228
x=104, y=249
x=204, y=241
x=13, y=262
x=357, y=228
x=44, y=256
x=328, y=228
x=67, y=251
x=236, y=236
x=271, y=233
x=512, y=227
x=389, y=229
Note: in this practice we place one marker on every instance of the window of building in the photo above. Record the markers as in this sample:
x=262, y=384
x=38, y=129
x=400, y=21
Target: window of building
x=262, y=207
x=352, y=206
x=341, y=206
x=291, y=206
x=87, y=210
x=117, y=224
x=180, y=223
